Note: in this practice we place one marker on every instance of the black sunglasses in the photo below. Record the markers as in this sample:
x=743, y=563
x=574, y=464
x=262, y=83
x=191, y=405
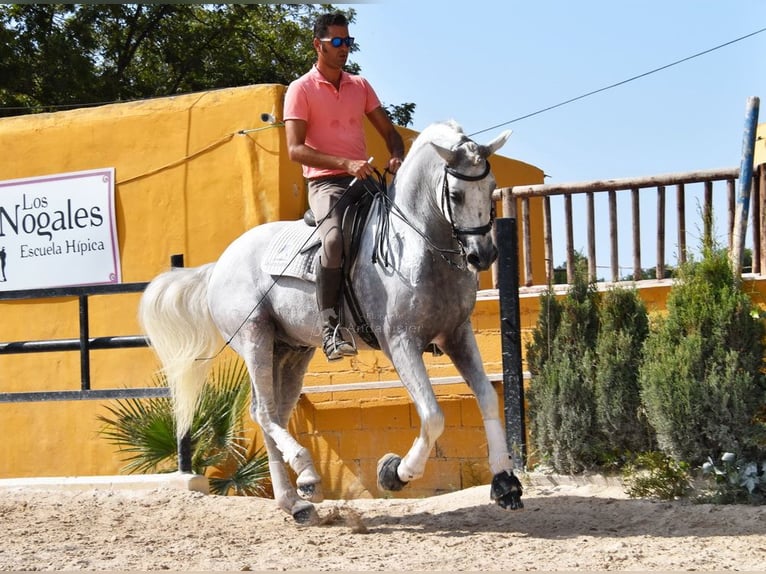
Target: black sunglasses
x=337, y=41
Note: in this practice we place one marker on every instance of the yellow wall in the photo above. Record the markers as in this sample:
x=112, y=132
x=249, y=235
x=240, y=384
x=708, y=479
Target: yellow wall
x=187, y=182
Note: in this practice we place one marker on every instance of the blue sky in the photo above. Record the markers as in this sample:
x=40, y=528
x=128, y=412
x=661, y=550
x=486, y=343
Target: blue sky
x=487, y=63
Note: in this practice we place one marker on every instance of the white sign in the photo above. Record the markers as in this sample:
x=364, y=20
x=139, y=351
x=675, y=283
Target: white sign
x=58, y=230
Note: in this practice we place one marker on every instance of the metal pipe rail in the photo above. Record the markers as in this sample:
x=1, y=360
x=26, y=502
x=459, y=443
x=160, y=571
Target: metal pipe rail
x=84, y=344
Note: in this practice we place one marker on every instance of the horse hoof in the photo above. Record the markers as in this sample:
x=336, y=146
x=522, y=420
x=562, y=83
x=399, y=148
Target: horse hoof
x=304, y=513
x=506, y=491
x=311, y=491
x=388, y=478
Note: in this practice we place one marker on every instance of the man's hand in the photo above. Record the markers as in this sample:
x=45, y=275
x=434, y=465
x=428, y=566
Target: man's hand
x=359, y=168
x=394, y=164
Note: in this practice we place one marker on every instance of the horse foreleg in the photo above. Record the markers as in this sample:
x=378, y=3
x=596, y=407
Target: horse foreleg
x=394, y=473
x=461, y=347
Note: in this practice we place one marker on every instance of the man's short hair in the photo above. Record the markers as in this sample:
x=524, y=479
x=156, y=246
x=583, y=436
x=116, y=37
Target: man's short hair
x=323, y=23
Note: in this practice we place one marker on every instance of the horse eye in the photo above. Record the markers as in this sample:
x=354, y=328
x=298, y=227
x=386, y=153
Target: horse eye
x=456, y=197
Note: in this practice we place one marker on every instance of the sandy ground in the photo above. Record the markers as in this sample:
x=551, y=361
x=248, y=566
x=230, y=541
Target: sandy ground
x=563, y=527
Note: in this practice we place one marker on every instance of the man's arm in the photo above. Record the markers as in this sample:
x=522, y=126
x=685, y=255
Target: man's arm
x=299, y=152
x=394, y=143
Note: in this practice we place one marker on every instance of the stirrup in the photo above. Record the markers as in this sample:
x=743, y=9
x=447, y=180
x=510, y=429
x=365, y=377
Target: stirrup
x=335, y=346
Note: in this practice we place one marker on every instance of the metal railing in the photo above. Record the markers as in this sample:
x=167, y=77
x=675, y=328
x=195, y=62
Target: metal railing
x=85, y=344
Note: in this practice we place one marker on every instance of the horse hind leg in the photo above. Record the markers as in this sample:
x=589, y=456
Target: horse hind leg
x=290, y=365
x=270, y=408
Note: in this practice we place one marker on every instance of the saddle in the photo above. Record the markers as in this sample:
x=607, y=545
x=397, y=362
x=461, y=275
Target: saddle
x=281, y=258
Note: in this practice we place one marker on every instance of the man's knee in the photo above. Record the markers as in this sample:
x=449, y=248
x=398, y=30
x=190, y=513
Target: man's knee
x=332, y=247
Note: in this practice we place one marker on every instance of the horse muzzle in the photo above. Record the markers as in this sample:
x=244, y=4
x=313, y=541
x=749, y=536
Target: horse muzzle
x=480, y=255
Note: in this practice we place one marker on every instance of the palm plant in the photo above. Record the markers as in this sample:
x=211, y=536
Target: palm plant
x=144, y=432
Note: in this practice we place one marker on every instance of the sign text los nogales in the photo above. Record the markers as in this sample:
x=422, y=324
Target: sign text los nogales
x=58, y=230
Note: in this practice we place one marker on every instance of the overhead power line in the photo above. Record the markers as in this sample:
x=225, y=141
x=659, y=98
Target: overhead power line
x=609, y=87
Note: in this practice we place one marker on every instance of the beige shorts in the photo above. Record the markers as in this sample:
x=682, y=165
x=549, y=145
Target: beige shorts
x=328, y=198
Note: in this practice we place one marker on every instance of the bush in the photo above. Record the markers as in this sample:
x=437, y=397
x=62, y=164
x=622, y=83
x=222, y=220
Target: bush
x=701, y=380
x=620, y=415
x=584, y=356
x=561, y=358
x=656, y=475
x=735, y=481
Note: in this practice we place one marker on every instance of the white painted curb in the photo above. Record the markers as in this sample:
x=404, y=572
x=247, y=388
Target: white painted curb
x=175, y=480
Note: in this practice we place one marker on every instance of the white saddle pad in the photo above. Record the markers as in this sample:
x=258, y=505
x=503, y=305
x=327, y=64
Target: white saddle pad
x=293, y=252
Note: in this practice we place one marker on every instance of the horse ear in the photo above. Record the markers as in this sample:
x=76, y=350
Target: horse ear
x=487, y=150
x=449, y=155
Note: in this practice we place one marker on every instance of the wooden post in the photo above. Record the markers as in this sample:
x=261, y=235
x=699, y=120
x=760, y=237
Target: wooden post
x=707, y=215
x=592, y=267
x=526, y=236
x=681, y=208
x=570, y=239
x=636, y=208
x=548, y=239
x=731, y=193
x=660, y=266
x=762, y=227
x=755, y=204
x=615, y=264
x=745, y=183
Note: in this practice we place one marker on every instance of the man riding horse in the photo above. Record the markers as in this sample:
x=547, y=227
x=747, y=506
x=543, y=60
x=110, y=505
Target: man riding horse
x=324, y=112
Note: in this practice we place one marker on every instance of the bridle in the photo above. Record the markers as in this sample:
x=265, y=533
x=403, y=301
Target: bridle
x=458, y=231
x=380, y=254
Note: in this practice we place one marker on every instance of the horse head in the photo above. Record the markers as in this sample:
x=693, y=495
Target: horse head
x=466, y=199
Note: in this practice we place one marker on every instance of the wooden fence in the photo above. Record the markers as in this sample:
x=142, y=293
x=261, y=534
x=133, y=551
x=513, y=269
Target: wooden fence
x=513, y=196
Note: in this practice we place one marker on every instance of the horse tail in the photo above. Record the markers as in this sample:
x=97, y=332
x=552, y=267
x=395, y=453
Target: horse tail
x=175, y=316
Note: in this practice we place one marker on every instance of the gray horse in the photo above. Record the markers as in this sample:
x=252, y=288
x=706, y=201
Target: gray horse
x=415, y=283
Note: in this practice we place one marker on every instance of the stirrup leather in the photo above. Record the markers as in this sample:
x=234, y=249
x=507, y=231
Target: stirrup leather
x=335, y=346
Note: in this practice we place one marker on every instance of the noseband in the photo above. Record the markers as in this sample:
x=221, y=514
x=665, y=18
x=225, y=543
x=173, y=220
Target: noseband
x=460, y=231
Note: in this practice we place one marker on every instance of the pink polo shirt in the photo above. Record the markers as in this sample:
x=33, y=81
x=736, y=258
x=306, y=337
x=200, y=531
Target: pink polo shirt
x=334, y=118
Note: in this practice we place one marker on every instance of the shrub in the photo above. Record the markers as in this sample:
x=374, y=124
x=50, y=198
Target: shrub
x=623, y=328
x=561, y=358
x=735, y=480
x=701, y=380
x=656, y=475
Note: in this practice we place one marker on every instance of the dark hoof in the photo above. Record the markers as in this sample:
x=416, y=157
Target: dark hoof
x=506, y=491
x=388, y=478
x=305, y=514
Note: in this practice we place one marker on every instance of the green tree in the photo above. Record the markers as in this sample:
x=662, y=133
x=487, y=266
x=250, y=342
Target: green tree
x=58, y=56
x=560, y=275
x=144, y=432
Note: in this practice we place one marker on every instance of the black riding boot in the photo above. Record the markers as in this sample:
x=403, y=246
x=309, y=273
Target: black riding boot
x=335, y=346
